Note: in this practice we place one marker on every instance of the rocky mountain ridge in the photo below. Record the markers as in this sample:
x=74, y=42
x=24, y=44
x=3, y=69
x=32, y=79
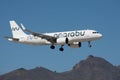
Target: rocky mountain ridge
x=92, y=68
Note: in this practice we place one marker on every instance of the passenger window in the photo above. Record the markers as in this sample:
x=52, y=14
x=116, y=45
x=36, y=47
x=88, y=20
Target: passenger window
x=95, y=32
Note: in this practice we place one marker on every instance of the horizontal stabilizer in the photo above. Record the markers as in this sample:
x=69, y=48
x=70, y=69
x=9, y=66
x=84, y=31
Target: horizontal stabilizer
x=11, y=38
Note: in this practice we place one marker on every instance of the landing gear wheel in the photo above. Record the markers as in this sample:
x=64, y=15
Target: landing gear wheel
x=52, y=47
x=61, y=49
x=90, y=46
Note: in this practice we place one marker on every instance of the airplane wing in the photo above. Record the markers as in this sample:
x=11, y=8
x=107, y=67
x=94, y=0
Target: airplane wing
x=43, y=36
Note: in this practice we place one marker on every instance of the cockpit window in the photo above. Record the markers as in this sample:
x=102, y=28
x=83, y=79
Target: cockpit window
x=95, y=32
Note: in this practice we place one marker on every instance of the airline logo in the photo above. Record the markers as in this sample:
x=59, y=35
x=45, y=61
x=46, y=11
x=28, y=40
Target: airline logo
x=70, y=34
x=15, y=29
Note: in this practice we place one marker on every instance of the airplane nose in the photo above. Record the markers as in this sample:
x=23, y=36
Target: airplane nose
x=100, y=35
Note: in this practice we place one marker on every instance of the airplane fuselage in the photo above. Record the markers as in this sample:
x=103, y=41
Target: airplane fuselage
x=73, y=36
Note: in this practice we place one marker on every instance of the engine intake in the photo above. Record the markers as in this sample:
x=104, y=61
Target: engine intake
x=62, y=41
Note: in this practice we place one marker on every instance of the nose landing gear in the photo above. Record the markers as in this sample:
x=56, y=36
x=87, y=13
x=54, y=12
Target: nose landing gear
x=89, y=45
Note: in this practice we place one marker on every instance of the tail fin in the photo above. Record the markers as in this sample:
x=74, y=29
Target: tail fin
x=16, y=30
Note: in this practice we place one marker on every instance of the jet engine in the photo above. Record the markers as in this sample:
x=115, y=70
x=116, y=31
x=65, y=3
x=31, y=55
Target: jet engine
x=62, y=41
x=75, y=44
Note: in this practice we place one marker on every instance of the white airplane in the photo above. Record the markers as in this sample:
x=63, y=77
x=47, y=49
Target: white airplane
x=71, y=38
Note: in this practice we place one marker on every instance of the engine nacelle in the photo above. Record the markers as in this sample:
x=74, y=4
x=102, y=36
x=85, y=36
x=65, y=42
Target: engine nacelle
x=75, y=45
x=62, y=41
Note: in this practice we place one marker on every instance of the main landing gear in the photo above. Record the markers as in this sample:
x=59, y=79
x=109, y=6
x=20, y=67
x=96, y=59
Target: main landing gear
x=52, y=47
x=89, y=45
x=60, y=49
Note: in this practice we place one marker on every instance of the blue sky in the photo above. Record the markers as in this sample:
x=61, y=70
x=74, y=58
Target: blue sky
x=59, y=15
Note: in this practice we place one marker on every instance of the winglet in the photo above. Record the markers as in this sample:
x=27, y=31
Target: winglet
x=23, y=27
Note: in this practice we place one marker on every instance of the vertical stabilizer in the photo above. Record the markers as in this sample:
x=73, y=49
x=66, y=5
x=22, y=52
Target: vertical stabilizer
x=16, y=30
